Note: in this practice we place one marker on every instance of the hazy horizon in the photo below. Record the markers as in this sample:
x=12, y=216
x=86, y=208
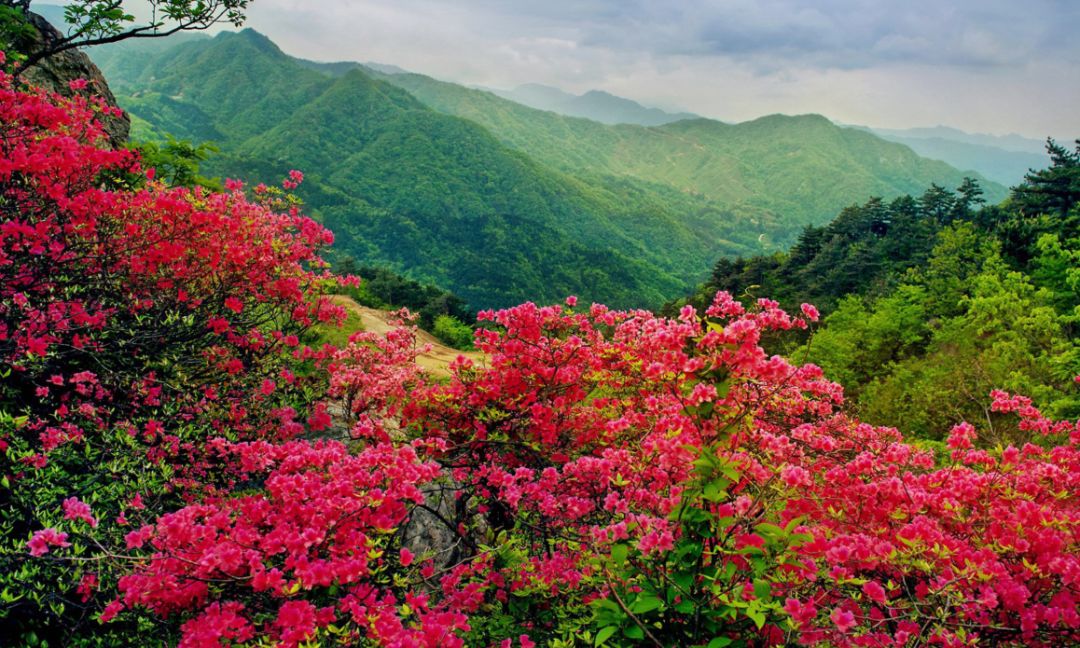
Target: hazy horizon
x=990, y=67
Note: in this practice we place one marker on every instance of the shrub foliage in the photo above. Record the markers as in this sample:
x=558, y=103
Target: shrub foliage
x=178, y=468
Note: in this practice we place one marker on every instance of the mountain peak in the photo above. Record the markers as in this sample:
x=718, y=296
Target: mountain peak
x=605, y=94
x=597, y=105
x=253, y=38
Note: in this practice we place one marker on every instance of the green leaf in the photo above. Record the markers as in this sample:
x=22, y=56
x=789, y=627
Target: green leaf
x=719, y=642
x=715, y=490
x=770, y=531
x=756, y=616
x=619, y=553
x=762, y=589
x=645, y=604
x=604, y=634
x=634, y=632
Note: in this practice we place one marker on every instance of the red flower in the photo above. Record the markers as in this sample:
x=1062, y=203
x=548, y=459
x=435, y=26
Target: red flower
x=842, y=619
x=41, y=541
x=76, y=509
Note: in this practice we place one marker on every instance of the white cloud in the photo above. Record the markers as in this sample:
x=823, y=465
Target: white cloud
x=990, y=65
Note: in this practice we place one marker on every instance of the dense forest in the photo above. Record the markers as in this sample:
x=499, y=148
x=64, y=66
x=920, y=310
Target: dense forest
x=441, y=182
x=199, y=448
x=932, y=301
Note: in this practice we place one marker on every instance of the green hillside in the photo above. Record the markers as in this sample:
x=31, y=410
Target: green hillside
x=931, y=301
x=803, y=169
x=496, y=201
x=432, y=195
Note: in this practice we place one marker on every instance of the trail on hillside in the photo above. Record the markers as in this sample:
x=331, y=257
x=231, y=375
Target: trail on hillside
x=436, y=360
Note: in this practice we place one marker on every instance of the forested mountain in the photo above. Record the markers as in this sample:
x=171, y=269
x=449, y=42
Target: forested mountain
x=496, y=201
x=932, y=301
x=427, y=193
x=801, y=169
x=1003, y=159
x=596, y=105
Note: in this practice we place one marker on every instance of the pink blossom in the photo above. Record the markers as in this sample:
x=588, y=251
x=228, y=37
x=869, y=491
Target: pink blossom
x=76, y=509
x=842, y=619
x=42, y=540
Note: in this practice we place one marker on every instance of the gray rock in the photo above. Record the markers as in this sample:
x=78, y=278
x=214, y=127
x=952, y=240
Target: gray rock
x=54, y=73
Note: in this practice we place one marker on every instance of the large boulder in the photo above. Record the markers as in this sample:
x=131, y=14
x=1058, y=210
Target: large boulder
x=56, y=72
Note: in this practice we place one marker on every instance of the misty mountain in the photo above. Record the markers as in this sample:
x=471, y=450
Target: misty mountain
x=1011, y=142
x=497, y=201
x=596, y=105
x=1002, y=158
x=998, y=164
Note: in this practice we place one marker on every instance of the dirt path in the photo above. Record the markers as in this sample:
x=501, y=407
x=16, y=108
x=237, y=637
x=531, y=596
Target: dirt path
x=436, y=361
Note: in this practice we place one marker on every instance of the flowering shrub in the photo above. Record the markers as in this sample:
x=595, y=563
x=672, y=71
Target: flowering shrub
x=140, y=326
x=732, y=499
x=170, y=466
x=613, y=477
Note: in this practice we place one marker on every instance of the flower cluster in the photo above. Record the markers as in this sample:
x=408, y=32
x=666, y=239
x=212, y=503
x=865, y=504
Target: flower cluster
x=613, y=477
x=138, y=323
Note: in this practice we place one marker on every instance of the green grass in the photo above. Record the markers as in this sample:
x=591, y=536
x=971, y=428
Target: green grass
x=338, y=336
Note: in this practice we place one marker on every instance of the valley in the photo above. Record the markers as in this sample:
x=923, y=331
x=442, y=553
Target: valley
x=496, y=201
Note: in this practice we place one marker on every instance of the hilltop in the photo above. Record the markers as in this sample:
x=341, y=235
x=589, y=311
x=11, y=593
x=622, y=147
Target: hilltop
x=497, y=201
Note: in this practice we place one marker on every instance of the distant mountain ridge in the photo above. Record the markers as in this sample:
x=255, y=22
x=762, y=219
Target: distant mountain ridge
x=338, y=68
x=497, y=201
x=596, y=105
x=798, y=169
x=1002, y=158
x=1010, y=142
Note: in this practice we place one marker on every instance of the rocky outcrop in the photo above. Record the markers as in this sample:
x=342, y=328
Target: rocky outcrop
x=57, y=71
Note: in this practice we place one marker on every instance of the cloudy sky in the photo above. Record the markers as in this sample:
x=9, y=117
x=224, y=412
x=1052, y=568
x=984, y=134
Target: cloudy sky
x=995, y=66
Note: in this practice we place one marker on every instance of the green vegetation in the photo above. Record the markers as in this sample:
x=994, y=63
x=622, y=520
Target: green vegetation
x=453, y=332
x=333, y=334
x=865, y=250
x=785, y=170
x=385, y=289
x=177, y=162
x=495, y=201
x=932, y=302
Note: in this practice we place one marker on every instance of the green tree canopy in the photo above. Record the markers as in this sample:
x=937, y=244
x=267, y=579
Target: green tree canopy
x=96, y=22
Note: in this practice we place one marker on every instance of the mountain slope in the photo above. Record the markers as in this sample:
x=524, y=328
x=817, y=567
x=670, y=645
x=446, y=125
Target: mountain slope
x=430, y=194
x=1001, y=165
x=738, y=165
x=1005, y=159
x=499, y=202
x=596, y=105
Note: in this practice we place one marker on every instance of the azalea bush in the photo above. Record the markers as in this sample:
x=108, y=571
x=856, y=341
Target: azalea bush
x=140, y=327
x=177, y=467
